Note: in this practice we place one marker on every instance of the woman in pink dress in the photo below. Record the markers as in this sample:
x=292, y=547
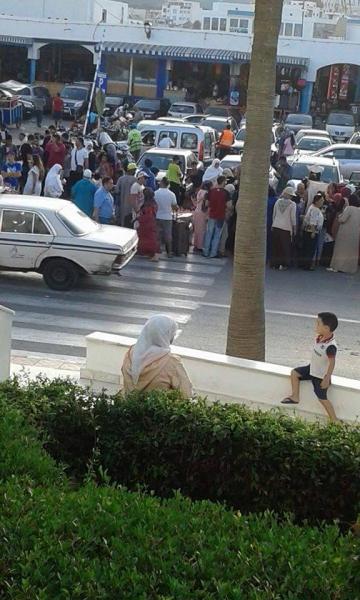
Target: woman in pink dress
x=200, y=216
x=147, y=230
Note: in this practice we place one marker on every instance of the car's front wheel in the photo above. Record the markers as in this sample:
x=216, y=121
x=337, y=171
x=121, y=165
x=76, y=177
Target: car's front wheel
x=60, y=274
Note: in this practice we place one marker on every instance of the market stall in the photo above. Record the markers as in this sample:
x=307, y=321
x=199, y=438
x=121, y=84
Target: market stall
x=11, y=109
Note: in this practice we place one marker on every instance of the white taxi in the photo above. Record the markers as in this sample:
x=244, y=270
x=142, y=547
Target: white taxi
x=53, y=237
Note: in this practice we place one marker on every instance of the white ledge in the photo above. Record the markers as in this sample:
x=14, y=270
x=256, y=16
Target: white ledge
x=223, y=378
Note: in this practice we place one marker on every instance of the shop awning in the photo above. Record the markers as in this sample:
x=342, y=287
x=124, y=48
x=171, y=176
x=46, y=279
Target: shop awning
x=176, y=52
x=200, y=54
x=10, y=40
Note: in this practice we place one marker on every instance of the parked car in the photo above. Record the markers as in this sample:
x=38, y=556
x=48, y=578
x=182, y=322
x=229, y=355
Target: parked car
x=194, y=119
x=348, y=156
x=27, y=92
x=300, y=166
x=76, y=98
x=219, y=123
x=355, y=138
x=312, y=132
x=153, y=108
x=340, y=125
x=238, y=145
x=161, y=158
x=182, y=109
x=113, y=102
x=311, y=144
x=28, y=107
x=198, y=139
x=233, y=162
x=224, y=111
x=53, y=237
x=297, y=121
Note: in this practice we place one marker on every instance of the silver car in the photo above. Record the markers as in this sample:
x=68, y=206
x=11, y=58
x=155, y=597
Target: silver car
x=55, y=238
x=348, y=156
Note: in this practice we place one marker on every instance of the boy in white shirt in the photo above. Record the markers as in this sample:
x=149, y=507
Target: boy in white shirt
x=322, y=364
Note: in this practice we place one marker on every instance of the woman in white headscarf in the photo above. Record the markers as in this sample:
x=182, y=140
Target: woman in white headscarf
x=149, y=365
x=53, y=184
x=213, y=172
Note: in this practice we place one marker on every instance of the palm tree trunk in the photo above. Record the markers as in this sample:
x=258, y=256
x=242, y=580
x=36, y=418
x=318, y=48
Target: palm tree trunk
x=246, y=331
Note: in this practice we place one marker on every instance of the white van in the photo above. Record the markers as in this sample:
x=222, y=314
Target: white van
x=199, y=139
x=340, y=125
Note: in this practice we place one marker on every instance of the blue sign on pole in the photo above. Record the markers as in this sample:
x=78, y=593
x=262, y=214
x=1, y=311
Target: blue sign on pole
x=101, y=82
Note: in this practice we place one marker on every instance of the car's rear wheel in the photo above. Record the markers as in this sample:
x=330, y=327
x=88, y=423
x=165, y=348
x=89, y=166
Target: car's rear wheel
x=60, y=274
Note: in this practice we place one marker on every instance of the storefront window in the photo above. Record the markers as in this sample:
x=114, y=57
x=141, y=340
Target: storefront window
x=281, y=29
x=234, y=23
x=298, y=30
x=117, y=67
x=215, y=24
x=144, y=70
x=222, y=24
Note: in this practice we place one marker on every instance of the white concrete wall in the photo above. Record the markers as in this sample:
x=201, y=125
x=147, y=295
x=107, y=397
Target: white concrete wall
x=319, y=52
x=6, y=319
x=82, y=10
x=222, y=378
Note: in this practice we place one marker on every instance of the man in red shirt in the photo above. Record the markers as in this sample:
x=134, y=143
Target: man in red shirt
x=55, y=152
x=217, y=199
x=57, y=109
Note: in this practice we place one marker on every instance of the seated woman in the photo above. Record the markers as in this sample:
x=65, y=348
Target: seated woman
x=149, y=365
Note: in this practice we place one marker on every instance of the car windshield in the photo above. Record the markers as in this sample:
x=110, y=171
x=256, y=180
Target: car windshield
x=298, y=120
x=161, y=161
x=182, y=108
x=301, y=171
x=341, y=119
x=147, y=105
x=77, y=221
x=74, y=93
x=241, y=135
x=219, y=111
x=215, y=124
x=314, y=144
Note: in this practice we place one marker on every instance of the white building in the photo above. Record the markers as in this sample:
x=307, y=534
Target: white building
x=179, y=12
x=83, y=11
x=300, y=19
x=347, y=7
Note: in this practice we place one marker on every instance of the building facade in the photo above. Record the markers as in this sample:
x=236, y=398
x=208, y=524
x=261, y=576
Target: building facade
x=176, y=61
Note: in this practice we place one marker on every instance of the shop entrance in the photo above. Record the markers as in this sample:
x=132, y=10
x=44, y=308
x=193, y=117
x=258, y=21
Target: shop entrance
x=13, y=63
x=336, y=87
x=199, y=81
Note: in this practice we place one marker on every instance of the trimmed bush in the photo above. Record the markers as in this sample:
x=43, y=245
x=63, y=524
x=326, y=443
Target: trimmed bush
x=253, y=461
x=21, y=453
x=104, y=543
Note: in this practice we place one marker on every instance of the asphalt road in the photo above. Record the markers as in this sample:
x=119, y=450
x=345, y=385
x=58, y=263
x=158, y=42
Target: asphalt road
x=196, y=292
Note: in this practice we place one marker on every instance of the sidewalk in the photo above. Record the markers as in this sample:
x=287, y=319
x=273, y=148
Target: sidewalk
x=52, y=367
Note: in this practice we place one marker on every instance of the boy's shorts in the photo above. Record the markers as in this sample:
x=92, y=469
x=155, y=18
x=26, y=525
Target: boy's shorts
x=304, y=373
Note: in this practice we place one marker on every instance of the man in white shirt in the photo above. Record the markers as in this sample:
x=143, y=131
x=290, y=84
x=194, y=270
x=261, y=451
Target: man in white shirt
x=79, y=162
x=166, y=203
x=166, y=142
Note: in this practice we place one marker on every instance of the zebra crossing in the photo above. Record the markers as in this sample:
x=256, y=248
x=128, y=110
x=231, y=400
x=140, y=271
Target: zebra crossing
x=56, y=323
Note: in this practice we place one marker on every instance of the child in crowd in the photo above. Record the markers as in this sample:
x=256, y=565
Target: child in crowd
x=321, y=367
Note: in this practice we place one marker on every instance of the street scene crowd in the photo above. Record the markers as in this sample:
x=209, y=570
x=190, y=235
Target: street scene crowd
x=314, y=224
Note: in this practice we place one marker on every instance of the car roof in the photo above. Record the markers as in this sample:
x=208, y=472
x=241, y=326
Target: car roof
x=170, y=151
x=236, y=158
x=208, y=117
x=315, y=160
x=314, y=137
x=184, y=103
x=32, y=202
x=319, y=132
x=341, y=146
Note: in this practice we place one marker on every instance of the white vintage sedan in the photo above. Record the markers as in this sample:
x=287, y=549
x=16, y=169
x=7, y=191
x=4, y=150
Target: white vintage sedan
x=56, y=239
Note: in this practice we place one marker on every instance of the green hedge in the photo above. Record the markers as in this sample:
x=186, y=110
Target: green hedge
x=251, y=461
x=21, y=452
x=105, y=543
